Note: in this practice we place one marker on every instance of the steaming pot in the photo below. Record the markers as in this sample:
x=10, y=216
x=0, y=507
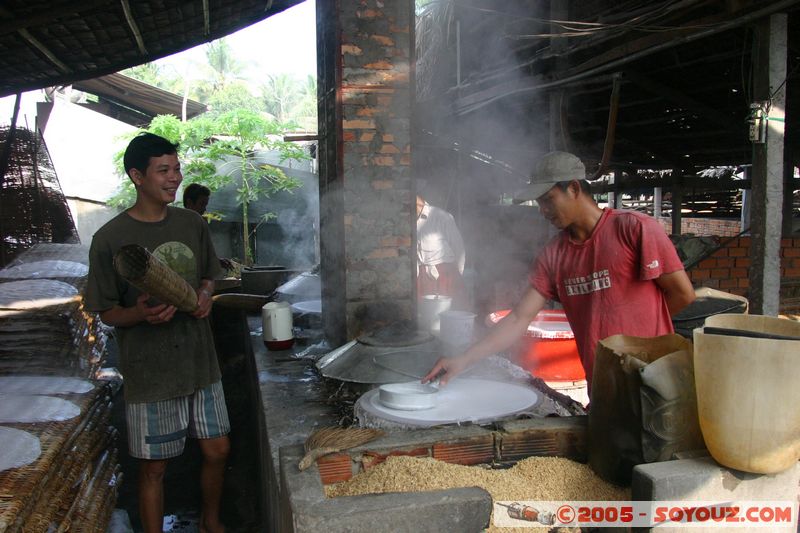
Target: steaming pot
x=276, y=320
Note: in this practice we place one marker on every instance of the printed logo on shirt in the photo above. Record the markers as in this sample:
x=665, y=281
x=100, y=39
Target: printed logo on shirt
x=652, y=265
x=597, y=281
x=178, y=257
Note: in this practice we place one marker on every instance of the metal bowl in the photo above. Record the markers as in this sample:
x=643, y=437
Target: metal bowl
x=410, y=396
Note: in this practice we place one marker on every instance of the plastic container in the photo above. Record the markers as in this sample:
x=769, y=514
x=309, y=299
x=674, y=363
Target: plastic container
x=430, y=305
x=410, y=396
x=456, y=330
x=748, y=392
x=548, y=349
x=276, y=321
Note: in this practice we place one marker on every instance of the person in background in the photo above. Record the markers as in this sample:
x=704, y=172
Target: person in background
x=440, y=255
x=614, y=271
x=195, y=197
x=168, y=361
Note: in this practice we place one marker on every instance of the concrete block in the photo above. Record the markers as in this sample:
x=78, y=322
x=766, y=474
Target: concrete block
x=703, y=479
x=305, y=508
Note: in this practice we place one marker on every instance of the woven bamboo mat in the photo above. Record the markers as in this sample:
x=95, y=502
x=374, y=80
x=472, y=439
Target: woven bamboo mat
x=36, y=496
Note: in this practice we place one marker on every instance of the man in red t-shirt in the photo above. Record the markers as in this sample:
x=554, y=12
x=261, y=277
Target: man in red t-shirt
x=615, y=272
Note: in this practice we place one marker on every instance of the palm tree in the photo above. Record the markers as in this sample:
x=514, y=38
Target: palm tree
x=225, y=67
x=281, y=93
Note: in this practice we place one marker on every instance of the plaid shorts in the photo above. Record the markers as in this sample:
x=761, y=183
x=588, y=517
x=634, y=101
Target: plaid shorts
x=158, y=430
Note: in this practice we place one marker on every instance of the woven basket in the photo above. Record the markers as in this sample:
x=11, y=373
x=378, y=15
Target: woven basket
x=149, y=274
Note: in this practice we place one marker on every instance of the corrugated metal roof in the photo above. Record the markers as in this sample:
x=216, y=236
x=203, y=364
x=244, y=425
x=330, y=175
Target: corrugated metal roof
x=120, y=90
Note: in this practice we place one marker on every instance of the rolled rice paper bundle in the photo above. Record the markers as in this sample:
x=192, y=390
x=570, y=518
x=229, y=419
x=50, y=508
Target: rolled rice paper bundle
x=151, y=275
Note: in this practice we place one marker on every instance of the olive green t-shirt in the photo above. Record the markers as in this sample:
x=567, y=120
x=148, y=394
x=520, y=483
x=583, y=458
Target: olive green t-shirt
x=165, y=360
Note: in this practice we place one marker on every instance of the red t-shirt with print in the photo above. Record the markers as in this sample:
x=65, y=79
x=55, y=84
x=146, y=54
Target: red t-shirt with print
x=606, y=282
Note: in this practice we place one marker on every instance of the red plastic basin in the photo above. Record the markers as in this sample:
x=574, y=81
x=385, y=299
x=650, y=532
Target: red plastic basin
x=548, y=349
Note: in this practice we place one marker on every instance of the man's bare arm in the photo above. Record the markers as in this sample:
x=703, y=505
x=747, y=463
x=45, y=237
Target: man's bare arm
x=678, y=290
x=501, y=337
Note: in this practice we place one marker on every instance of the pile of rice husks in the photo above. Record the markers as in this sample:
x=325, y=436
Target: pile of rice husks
x=534, y=478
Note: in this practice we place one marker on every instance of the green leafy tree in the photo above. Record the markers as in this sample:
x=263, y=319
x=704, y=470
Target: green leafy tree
x=163, y=77
x=233, y=96
x=224, y=66
x=305, y=111
x=218, y=151
x=281, y=94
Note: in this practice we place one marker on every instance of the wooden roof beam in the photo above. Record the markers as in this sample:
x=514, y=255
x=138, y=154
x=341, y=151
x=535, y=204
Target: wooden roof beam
x=639, y=48
x=33, y=41
x=206, y=19
x=613, y=59
x=682, y=99
x=126, y=8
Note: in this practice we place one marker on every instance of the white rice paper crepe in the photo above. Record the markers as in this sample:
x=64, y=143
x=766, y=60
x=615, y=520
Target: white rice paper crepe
x=35, y=293
x=45, y=269
x=26, y=409
x=20, y=448
x=43, y=385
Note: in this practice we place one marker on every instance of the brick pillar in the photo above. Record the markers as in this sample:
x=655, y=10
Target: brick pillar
x=365, y=53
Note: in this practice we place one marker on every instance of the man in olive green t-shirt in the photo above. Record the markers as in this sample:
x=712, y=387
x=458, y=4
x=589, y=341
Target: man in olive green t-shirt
x=167, y=358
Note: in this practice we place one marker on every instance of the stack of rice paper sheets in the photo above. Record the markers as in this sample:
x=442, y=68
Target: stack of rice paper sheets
x=44, y=251
x=43, y=326
x=59, y=468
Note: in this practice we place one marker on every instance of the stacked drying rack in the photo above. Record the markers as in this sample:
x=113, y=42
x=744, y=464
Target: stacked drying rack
x=72, y=485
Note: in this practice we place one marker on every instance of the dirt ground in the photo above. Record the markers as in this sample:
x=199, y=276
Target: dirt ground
x=241, y=493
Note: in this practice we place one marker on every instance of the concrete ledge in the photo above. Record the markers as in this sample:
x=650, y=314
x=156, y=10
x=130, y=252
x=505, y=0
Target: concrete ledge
x=306, y=509
x=703, y=479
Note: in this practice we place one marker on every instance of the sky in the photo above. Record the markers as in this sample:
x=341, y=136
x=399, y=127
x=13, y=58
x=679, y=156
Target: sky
x=283, y=43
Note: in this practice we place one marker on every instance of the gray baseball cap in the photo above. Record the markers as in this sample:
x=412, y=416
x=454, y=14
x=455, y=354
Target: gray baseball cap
x=552, y=168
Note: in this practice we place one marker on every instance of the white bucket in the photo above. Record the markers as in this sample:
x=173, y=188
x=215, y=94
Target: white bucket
x=276, y=321
x=428, y=313
x=456, y=330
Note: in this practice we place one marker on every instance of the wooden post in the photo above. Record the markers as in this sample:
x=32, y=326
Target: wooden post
x=617, y=191
x=677, y=200
x=769, y=87
x=657, y=193
x=559, y=10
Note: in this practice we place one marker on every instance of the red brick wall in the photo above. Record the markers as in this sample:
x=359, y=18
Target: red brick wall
x=720, y=227
x=728, y=268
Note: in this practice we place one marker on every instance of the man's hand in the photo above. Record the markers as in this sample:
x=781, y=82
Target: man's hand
x=447, y=368
x=204, y=302
x=156, y=314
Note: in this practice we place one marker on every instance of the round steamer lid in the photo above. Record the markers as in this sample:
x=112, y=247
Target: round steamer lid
x=403, y=333
x=461, y=400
